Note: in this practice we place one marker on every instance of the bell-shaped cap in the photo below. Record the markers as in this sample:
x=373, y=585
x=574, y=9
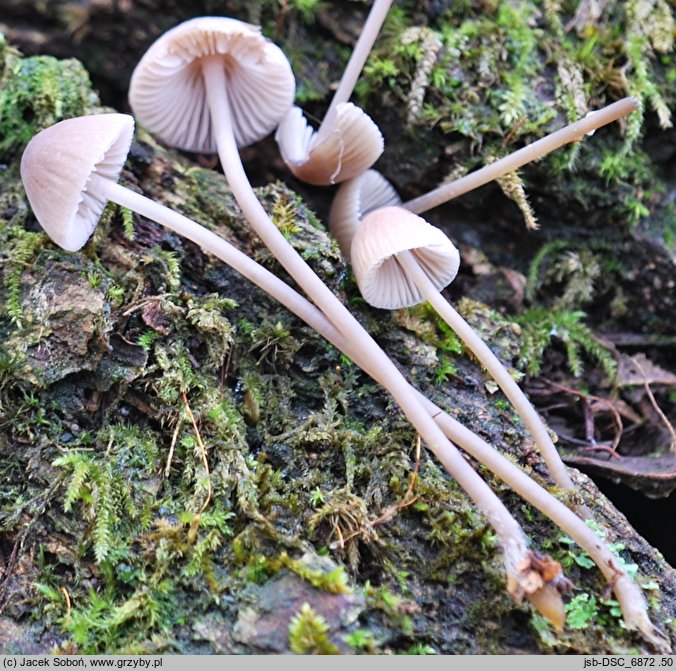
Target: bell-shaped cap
x=382, y=235
x=354, y=200
x=57, y=165
x=167, y=92
x=346, y=145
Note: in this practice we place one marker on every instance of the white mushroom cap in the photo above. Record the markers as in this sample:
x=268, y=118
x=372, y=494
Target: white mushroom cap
x=346, y=144
x=167, y=92
x=382, y=235
x=354, y=200
x=58, y=163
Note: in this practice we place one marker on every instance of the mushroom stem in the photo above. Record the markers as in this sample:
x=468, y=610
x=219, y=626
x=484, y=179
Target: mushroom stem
x=508, y=530
x=492, y=364
x=532, y=152
x=219, y=106
x=628, y=594
x=360, y=53
x=214, y=244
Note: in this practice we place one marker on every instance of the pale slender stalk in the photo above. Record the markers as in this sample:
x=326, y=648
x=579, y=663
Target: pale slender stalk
x=572, y=133
x=628, y=593
x=630, y=598
x=492, y=364
x=360, y=53
x=319, y=293
x=220, y=248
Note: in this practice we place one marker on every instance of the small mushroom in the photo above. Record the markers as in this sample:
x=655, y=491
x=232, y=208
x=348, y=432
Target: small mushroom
x=354, y=200
x=70, y=172
x=367, y=195
x=574, y=132
x=400, y=260
x=224, y=74
x=347, y=141
x=61, y=167
x=197, y=56
x=385, y=238
x=208, y=77
x=342, y=148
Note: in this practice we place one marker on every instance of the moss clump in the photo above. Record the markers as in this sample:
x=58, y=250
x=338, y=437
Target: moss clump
x=37, y=92
x=504, y=75
x=23, y=246
x=542, y=326
x=308, y=633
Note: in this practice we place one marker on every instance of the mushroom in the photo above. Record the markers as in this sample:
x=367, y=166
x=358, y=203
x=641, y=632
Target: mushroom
x=366, y=194
x=409, y=283
x=347, y=142
x=203, y=64
x=353, y=201
x=342, y=148
x=209, y=80
x=70, y=172
x=400, y=260
x=574, y=132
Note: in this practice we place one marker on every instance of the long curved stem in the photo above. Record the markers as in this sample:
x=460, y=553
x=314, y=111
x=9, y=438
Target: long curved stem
x=628, y=594
x=214, y=244
x=360, y=53
x=493, y=365
x=532, y=152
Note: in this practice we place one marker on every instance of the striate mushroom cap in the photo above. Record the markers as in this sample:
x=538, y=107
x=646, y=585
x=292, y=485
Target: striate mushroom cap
x=167, y=92
x=354, y=200
x=57, y=165
x=346, y=145
x=382, y=235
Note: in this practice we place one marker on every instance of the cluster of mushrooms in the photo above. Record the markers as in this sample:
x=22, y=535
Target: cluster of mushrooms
x=214, y=84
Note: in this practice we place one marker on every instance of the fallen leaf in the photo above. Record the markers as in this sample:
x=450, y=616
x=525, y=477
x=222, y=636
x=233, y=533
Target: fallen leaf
x=638, y=369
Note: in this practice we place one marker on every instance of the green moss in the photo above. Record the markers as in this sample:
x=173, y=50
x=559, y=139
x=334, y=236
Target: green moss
x=37, y=92
x=308, y=633
x=321, y=575
x=20, y=248
x=425, y=322
x=361, y=640
x=543, y=326
x=507, y=74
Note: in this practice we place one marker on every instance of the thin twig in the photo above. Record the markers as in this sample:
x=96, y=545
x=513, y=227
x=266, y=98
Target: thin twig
x=388, y=513
x=279, y=23
x=513, y=130
x=203, y=452
x=225, y=368
x=619, y=426
x=66, y=596
x=174, y=438
x=658, y=410
x=146, y=301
